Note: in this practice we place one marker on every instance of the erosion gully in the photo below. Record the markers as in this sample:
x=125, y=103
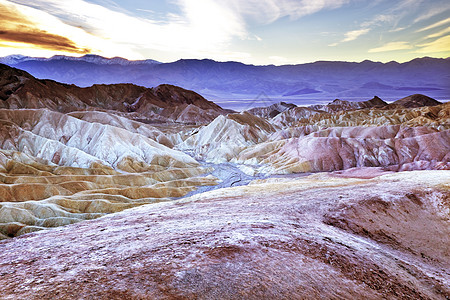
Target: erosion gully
x=230, y=175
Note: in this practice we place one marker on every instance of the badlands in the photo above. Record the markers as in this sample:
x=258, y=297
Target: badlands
x=126, y=192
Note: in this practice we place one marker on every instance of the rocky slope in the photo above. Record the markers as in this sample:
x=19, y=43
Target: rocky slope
x=291, y=115
x=416, y=138
x=271, y=110
x=56, y=169
x=349, y=147
x=340, y=105
x=315, y=238
x=416, y=100
x=69, y=154
x=19, y=89
x=124, y=123
x=435, y=116
x=225, y=137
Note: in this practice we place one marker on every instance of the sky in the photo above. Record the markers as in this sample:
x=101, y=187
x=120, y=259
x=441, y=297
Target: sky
x=257, y=32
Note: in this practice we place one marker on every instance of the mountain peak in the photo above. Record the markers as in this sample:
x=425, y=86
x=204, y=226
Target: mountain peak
x=417, y=100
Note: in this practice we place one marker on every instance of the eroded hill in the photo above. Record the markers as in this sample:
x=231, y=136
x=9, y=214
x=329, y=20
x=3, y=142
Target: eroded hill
x=19, y=89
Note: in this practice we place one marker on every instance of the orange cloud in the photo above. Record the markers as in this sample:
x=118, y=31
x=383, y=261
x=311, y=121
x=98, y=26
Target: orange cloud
x=16, y=28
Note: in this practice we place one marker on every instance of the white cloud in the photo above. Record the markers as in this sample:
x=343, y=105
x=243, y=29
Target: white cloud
x=351, y=36
x=379, y=19
x=354, y=34
x=397, y=29
x=439, y=33
x=210, y=22
x=203, y=28
x=440, y=45
x=391, y=16
x=393, y=46
x=434, y=25
x=53, y=25
x=433, y=11
x=267, y=11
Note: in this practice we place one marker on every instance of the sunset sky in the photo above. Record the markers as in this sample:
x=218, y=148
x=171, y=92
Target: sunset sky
x=249, y=31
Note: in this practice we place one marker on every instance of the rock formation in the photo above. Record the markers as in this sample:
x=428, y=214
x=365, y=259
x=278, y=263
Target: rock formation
x=290, y=116
x=340, y=105
x=82, y=168
x=348, y=147
x=320, y=237
x=225, y=137
x=124, y=123
x=416, y=100
x=415, y=138
x=272, y=110
x=435, y=116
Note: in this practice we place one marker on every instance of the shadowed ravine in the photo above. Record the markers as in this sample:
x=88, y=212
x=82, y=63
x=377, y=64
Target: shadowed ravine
x=230, y=175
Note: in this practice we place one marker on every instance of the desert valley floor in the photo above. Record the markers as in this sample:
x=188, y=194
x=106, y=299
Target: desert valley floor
x=126, y=192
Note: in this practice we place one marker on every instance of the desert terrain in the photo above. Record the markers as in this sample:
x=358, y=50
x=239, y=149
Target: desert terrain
x=127, y=192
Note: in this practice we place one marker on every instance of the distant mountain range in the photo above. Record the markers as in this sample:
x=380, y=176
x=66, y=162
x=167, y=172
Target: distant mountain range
x=89, y=58
x=240, y=86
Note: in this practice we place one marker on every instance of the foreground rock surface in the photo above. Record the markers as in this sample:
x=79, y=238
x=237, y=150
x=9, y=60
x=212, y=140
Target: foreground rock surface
x=320, y=237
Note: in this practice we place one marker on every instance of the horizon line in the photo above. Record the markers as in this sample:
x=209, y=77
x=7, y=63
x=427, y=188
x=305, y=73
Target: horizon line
x=218, y=61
